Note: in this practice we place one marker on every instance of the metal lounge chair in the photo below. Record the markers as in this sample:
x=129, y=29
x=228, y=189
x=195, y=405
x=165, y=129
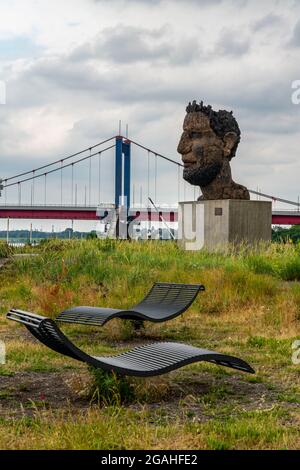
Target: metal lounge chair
x=148, y=360
x=163, y=302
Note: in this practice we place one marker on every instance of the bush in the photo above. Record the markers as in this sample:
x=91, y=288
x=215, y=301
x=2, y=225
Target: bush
x=108, y=388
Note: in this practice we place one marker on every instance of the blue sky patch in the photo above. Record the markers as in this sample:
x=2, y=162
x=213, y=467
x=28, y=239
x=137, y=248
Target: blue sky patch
x=18, y=47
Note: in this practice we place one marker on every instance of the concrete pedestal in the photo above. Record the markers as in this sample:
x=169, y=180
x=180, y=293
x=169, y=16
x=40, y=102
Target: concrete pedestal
x=217, y=224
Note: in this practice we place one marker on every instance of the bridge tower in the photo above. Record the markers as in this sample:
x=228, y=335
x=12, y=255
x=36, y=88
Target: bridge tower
x=122, y=172
x=119, y=225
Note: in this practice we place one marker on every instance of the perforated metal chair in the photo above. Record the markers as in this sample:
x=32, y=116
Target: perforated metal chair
x=163, y=302
x=148, y=360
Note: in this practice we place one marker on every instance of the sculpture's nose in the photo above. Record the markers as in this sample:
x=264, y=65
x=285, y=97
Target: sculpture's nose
x=184, y=145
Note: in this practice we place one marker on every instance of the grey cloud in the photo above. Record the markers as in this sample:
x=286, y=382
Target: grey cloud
x=295, y=39
x=200, y=3
x=125, y=44
x=61, y=80
x=231, y=43
x=128, y=44
x=53, y=80
x=267, y=21
x=265, y=123
x=264, y=97
x=64, y=73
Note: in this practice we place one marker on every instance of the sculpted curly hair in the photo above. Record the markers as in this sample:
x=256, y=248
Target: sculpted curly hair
x=221, y=121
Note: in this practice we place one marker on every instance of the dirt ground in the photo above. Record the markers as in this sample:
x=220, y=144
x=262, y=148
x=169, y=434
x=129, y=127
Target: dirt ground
x=24, y=392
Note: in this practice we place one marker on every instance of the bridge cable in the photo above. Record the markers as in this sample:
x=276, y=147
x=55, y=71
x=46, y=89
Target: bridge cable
x=45, y=189
x=155, y=179
x=99, y=177
x=141, y=196
x=90, y=177
x=148, y=176
x=58, y=161
x=133, y=194
x=33, y=173
x=58, y=169
x=72, y=184
x=19, y=193
x=274, y=198
x=178, y=183
x=155, y=153
x=61, y=182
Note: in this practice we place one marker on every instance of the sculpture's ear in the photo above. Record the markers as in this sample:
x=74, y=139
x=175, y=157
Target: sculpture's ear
x=229, y=139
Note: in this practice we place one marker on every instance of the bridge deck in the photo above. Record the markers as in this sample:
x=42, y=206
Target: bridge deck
x=92, y=213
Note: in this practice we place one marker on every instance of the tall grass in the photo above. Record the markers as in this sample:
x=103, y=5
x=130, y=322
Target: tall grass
x=5, y=249
x=118, y=273
x=64, y=260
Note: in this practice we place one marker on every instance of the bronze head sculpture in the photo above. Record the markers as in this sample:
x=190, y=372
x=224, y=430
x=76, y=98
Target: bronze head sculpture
x=208, y=142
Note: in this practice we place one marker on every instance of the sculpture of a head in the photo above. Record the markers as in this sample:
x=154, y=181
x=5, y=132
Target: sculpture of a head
x=208, y=142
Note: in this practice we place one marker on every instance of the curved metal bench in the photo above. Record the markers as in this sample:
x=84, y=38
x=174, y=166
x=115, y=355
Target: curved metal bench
x=163, y=302
x=148, y=360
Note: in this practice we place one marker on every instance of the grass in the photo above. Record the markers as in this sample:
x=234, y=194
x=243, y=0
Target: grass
x=115, y=428
x=251, y=308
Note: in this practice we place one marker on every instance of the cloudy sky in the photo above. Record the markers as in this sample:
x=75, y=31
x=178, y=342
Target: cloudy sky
x=74, y=68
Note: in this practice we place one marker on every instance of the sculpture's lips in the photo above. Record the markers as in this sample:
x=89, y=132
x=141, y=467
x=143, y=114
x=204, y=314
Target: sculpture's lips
x=188, y=164
x=189, y=160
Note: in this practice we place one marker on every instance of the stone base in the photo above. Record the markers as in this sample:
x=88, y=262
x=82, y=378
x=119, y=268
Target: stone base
x=217, y=224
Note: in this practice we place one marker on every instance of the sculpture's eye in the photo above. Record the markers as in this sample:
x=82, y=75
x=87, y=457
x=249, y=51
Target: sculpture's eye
x=195, y=135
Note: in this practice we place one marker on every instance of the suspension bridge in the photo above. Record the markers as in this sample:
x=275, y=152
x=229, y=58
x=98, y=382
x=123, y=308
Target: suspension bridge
x=29, y=195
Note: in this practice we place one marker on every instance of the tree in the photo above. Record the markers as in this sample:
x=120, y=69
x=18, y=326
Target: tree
x=280, y=234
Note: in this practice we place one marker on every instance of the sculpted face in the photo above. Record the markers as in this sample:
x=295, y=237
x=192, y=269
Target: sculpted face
x=201, y=150
x=207, y=144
